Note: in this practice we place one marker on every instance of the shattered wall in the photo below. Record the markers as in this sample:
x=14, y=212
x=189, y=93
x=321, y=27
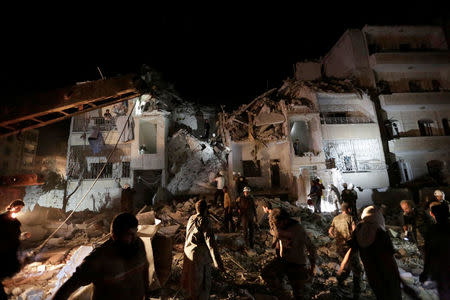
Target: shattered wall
x=244, y=151
x=193, y=164
x=349, y=58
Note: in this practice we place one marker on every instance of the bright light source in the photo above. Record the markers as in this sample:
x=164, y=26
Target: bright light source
x=13, y=215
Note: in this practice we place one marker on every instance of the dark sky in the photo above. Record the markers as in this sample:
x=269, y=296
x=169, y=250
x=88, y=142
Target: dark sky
x=211, y=54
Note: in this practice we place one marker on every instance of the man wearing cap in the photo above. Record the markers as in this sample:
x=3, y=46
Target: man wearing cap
x=341, y=230
x=247, y=213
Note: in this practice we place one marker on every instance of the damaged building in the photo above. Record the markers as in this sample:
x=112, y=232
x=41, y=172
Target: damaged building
x=305, y=129
x=408, y=68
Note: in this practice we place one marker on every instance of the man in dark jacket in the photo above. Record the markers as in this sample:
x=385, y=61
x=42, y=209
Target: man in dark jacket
x=437, y=249
x=292, y=243
x=10, y=236
x=118, y=269
x=247, y=213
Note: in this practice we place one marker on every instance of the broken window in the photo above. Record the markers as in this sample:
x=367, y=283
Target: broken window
x=125, y=169
x=404, y=47
x=95, y=169
x=436, y=85
x=425, y=127
x=414, y=86
x=301, y=137
x=251, y=169
x=359, y=155
x=147, y=137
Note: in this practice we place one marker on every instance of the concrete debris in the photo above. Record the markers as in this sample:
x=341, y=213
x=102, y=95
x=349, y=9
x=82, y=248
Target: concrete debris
x=191, y=164
x=242, y=278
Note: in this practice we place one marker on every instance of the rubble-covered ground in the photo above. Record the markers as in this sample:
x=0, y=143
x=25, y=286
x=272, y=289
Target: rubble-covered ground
x=46, y=271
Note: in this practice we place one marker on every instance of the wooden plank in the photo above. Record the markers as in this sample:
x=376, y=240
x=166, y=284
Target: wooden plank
x=61, y=108
x=66, y=116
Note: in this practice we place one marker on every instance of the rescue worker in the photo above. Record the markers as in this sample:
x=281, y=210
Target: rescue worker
x=297, y=147
x=241, y=183
x=228, y=212
x=118, y=268
x=350, y=196
x=316, y=194
x=127, y=199
x=440, y=197
x=247, y=213
x=200, y=250
x=206, y=127
x=10, y=236
x=293, y=243
x=408, y=221
x=220, y=182
x=437, y=249
x=341, y=230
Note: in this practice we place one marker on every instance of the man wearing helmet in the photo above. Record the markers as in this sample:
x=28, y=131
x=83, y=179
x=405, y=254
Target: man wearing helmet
x=247, y=212
x=350, y=196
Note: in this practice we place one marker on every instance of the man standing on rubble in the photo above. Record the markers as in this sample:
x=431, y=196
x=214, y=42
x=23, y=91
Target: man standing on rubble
x=247, y=213
x=118, y=268
x=316, y=194
x=228, y=212
x=126, y=199
x=241, y=183
x=297, y=147
x=200, y=250
x=292, y=242
x=350, y=196
x=220, y=182
x=437, y=249
x=341, y=230
x=207, y=127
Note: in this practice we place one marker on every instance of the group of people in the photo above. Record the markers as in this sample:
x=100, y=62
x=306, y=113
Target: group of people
x=118, y=269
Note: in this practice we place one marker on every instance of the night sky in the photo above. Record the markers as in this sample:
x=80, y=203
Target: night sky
x=210, y=54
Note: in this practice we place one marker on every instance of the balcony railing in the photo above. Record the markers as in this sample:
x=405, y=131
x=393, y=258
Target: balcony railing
x=82, y=124
x=345, y=120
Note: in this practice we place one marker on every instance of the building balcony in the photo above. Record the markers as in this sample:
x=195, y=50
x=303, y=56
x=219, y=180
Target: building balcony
x=345, y=120
x=82, y=124
x=434, y=61
x=418, y=144
x=434, y=101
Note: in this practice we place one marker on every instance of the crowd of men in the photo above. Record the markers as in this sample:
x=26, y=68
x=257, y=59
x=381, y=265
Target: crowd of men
x=118, y=269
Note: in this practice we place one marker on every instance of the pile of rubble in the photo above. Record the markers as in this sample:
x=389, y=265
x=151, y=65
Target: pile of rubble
x=242, y=279
x=193, y=164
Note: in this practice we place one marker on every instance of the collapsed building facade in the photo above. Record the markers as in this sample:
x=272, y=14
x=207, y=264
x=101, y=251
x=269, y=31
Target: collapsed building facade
x=335, y=127
x=408, y=68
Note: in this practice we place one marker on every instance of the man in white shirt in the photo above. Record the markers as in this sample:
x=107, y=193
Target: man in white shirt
x=220, y=180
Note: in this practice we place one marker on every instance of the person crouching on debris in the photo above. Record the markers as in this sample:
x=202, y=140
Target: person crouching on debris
x=228, y=212
x=10, y=237
x=118, y=268
x=408, y=221
x=341, y=230
x=247, y=214
x=437, y=249
x=293, y=242
x=200, y=250
x=377, y=254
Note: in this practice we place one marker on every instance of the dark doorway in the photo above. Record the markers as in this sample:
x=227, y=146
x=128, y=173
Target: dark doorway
x=425, y=127
x=446, y=126
x=275, y=172
x=146, y=183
